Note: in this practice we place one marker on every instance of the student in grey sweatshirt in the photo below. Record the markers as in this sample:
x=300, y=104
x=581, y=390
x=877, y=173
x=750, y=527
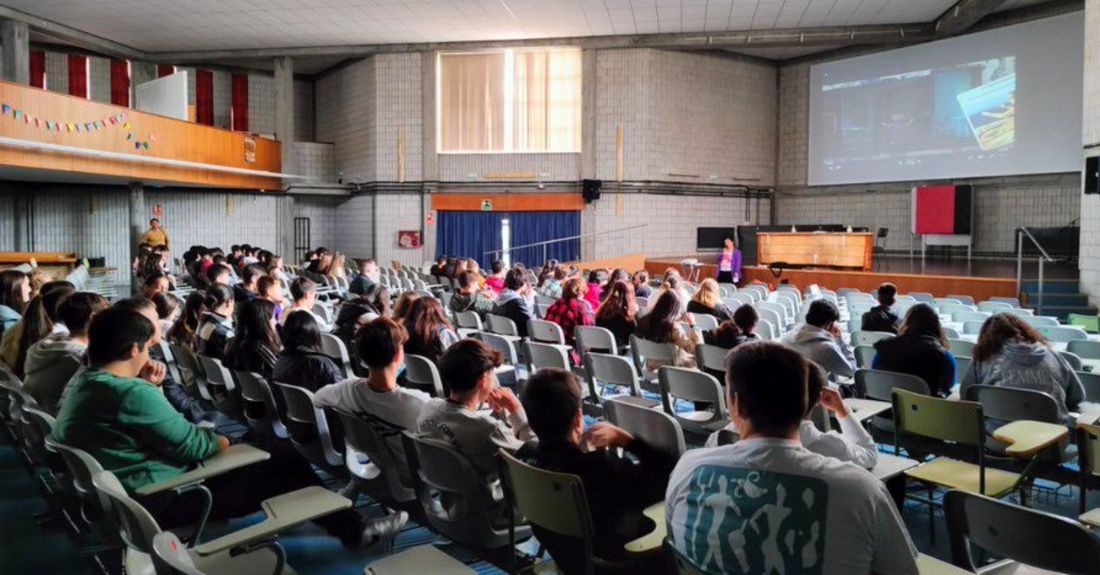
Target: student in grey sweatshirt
x=53, y=360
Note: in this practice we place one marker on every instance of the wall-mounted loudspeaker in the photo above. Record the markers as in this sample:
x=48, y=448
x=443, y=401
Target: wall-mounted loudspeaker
x=1092, y=175
x=590, y=189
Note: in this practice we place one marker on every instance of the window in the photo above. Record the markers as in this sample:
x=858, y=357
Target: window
x=515, y=100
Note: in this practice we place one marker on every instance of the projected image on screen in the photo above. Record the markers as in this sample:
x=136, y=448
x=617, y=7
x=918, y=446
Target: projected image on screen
x=993, y=103
x=912, y=116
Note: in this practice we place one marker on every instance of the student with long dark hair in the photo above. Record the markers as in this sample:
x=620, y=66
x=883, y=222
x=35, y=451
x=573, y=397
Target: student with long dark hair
x=15, y=294
x=185, y=331
x=919, y=349
x=662, y=325
x=303, y=361
x=430, y=334
x=1011, y=353
x=38, y=322
x=618, y=312
x=255, y=346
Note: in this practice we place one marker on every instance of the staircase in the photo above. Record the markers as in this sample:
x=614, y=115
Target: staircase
x=1061, y=297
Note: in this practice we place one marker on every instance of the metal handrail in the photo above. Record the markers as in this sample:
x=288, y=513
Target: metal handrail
x=1045, y=257
x=570, y=238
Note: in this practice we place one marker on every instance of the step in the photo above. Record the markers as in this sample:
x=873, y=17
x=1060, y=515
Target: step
x=1062, y=312
x=1051, y=286
x=1060, y=299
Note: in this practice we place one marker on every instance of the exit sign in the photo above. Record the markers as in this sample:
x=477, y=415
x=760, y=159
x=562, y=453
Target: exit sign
x=486, y=205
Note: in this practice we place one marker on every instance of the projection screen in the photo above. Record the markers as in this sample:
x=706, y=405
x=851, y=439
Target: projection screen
x=996, y=103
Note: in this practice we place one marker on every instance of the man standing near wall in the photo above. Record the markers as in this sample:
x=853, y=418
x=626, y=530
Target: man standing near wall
x=155, y=235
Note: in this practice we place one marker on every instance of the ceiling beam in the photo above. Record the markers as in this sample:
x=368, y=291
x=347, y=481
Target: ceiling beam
x=73, y=36
x=784, y=38
x=964, y=14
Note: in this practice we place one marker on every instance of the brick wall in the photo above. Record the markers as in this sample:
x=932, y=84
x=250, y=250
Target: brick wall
x=1002, y=204
x=1090, y=204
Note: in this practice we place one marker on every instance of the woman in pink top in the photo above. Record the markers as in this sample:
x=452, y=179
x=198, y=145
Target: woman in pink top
x=596, y=279
x=495, y=282
x=729, y=264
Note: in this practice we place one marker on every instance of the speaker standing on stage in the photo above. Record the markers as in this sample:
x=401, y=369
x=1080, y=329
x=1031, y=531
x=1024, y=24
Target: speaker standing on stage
x=729, y=264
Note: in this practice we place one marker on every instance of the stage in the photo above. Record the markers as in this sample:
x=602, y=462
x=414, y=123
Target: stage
x=979, y=278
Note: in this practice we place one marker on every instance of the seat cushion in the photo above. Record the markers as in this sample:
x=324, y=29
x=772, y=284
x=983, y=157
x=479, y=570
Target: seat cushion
x=954, y=474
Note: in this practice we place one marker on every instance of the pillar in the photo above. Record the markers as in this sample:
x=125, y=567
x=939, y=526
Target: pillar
x=429, y=157
x=284, y=112
x=15, y=57
x=138, y=222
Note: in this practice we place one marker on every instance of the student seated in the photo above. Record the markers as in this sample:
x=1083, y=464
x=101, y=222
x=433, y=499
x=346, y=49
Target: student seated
x=708, y=300
x=880, y=317
x=15, y=294
x=154, y=283
x=247, y=290
x=852, y=443
x=513, y=302
x=430, y=334
x=618, y=313
x=39, y=320
x=218, y=274
x=303, y=361
x=617, y=488
x=468, y=297
x=571, y=310
x=47, y=372
x=216, y=327
x=168, y=310
x=185, y=330
x=1011, y=353
x=304, y=293
x=495, y=281
x=365, y=279
x=662, y=325
x=820, y=340
x=766, y=504
x=387, y=407
x=116, y=412
x=552, y=285
x=255, y=346
x=594, y=295
x=731, y=334
x=467, y=373
x=640, y=281
x=919, y=349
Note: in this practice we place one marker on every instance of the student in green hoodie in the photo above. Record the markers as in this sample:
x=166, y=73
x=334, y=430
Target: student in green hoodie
x=116, y=411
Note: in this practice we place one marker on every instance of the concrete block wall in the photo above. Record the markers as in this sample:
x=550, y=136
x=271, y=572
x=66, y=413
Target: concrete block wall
x=1090, y=204
x=622, y=97
x=343, y=108
x=398, y=103
x=215, y=218
x=671, y=222
x=475, y=167
x=1002, y=204
x=315, y=161
x=394, y=213
x=355, y=220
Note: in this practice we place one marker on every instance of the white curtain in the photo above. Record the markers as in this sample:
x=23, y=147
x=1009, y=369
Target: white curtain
x=511, y=100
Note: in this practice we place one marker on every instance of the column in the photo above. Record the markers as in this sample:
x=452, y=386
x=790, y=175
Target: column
x=284, y=112
x=429, y=157
x=138, y=223
x=15, y=56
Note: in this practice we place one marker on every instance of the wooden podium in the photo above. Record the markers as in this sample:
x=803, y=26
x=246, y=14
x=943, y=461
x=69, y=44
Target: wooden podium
x=839, y=250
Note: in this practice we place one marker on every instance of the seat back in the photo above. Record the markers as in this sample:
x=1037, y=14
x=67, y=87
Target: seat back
x=308, y=426
x=501, y=344
x=501, y=325
x=1029, y=536
x=767, y=331
x=1090, y=380
x=1014, y=403
x=543, y=331
x=920, y=296
x=260, y=410
x=705, y=322
x=943, y=419
x=961, y=347
x=544, y=355
x=1085, y=349
x=190, y=370
x=1041, y=321
x=1014, y=302
x=993, y=306
x=136, y=525
x=865, y=355
x=771, y=316
x=170, y=556
x=220, y=385
x=422, y=373
x=879, y=384
x=611, y=370
x=1073, y=360
x=38, y=428
x=869, y=337
x=962, y=365
x=968, y=315
x=779, y=310
x=82, y=470
x=361, y=435
x=443, y=475
x=711, y=359
x=1063, y=333
x=645, y=350
x=972, y=327
x=468, y=320
x=659, y=430
x=591, y=338
x=553, y=501
x=334, y=347
x=690, y=385
x=951, y=332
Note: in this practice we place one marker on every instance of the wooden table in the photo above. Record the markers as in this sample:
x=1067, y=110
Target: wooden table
x=840, y=250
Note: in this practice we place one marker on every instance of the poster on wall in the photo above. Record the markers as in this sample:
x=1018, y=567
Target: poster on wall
x=408, y=239
x=250, y=150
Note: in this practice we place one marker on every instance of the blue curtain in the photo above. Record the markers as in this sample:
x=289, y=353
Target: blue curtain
x=533, y=227
x=468, y=235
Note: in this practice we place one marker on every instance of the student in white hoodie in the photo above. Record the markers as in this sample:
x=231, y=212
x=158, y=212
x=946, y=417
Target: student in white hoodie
x=53, y=360
x=820, y=340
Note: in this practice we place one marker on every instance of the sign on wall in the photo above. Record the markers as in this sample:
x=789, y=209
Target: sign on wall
x=158, y=211
x=250, y=150
x=486, y=205
x=408, y=239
